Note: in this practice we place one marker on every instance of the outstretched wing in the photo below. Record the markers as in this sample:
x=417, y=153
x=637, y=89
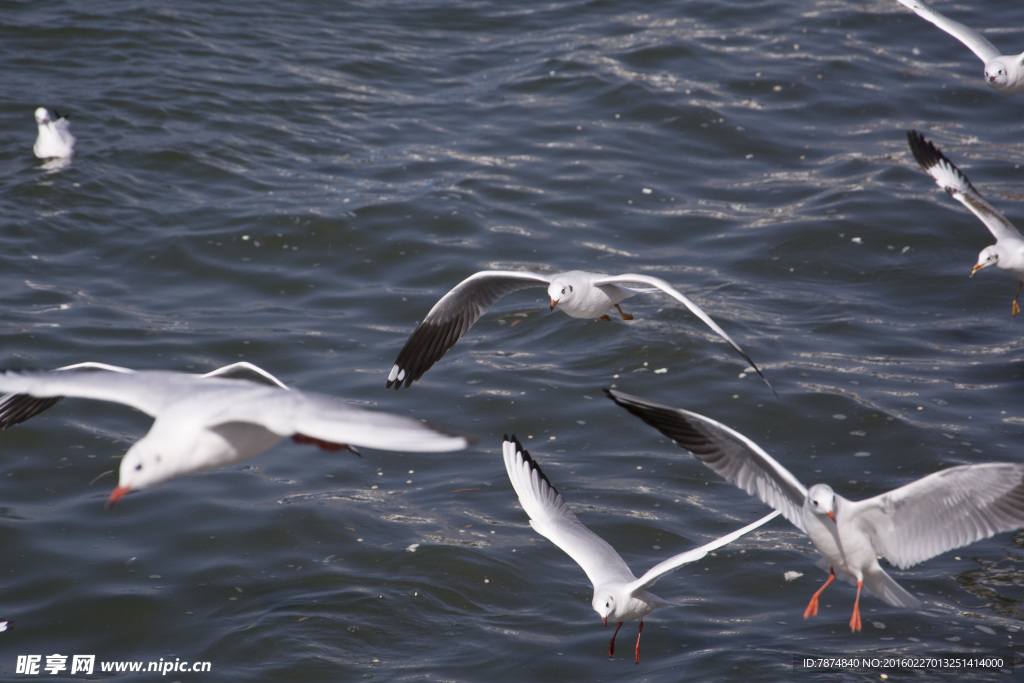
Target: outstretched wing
x=977, y=43
x=953, y=181
x=620, y=280
x=451, y=318
x=945, y=510
x=730, y=454
x=664, y=567
x=16, y=408
x=552, y=518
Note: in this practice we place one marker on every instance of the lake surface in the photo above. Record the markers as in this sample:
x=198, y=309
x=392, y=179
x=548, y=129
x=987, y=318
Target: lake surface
x=296, y=184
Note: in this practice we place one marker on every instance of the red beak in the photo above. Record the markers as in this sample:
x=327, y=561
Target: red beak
x=832, y=515
x=604, y=620
x=116, y=495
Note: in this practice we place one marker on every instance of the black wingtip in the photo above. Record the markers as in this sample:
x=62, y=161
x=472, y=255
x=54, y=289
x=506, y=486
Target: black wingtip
x=527, y=458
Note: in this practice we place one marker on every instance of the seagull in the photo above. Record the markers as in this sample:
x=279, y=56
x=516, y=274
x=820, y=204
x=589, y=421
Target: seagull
x=207, y=421
x=578, y=293
x=1008, y=251
x=55, y=138
x=1004, y=73
x=618, y=594
x=942, y=511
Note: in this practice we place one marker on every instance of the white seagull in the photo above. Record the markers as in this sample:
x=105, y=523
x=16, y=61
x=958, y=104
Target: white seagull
x=578, y=293
x=618, y=594
x=942, y=511
x=1004, y=73
x=1008, y=252
x=203, y=421
x=55, y=138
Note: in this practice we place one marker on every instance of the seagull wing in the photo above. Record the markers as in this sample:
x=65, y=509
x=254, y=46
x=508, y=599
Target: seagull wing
x=953, y=181
x=326, y=419
x=977, y=43
x=17, y=408
x=451, y=318
x=730, y=454
x=664, y=567
x=945, y=510
x=552, y=518
x=149, y=391
x=247, y=371
x=619, y=280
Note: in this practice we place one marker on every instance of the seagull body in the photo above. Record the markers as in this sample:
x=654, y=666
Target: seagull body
x=942, y=511
x=1007, y=253
x=578, y=293
x=54, y=138
x=1005, y=73
x=618, y=594
x=202, y=422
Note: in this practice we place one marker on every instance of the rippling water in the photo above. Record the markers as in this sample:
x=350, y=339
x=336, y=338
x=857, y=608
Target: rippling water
x=295, y=184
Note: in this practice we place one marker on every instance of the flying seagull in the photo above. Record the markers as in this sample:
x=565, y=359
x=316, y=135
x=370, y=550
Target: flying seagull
x=1008, y=251
x=618, y=594
x=1004, y=73
x=942, y=511
x=204, y=422
x=578, y=293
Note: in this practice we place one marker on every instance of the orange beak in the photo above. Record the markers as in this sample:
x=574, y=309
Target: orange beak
x=604, y=620
x=554, y=302
x=116, y=495
x=832, y=515
x=976, y=268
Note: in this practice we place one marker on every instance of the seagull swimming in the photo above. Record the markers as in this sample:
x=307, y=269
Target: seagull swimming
x=1004, y=73
x=1008, y=251
x=578, y=293
x=618, y=594
x=206, y=421
x=55, y=138
x=942, y=511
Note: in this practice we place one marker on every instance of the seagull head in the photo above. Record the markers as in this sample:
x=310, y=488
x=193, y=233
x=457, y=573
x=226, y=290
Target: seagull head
x=821, y=500
x=558, y=291
x=604, y=604
x=42, y=116
x=989, y=256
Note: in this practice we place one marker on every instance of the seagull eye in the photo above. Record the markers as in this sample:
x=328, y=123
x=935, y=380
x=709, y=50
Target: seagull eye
x=138, y=467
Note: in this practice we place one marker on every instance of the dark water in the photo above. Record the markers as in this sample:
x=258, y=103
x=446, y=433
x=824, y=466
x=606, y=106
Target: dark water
x=295, y=184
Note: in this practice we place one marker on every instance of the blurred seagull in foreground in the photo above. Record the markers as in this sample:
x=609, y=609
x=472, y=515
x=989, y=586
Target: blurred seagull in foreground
x=207, y=421
x=618, y=594
x=55, y=138
x=1008, y=252
x=942, y=511
x=1004, y=73
x=577, y=293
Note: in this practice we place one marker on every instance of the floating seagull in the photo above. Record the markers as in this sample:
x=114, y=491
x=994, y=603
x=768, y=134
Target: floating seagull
x=945, y=510
x=55, y=138
x=618, y=595
x=1008, y=251
x=1004, y=73
x=203, y=422
x=577, y=293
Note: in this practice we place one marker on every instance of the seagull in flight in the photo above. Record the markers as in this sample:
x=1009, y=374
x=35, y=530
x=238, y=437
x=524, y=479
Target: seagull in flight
x=1005, y=73
x=618, y=594
x=1008, y=252
x=942, y=511
x=55, y=138
x=213, y=420
x=578, y=293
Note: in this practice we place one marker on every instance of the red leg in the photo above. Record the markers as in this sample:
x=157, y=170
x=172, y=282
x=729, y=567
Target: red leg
x=1015, y=309
x=812, y=606
x=625, y=316
x=638, y=642
x=611, y=645
x=855, y=619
